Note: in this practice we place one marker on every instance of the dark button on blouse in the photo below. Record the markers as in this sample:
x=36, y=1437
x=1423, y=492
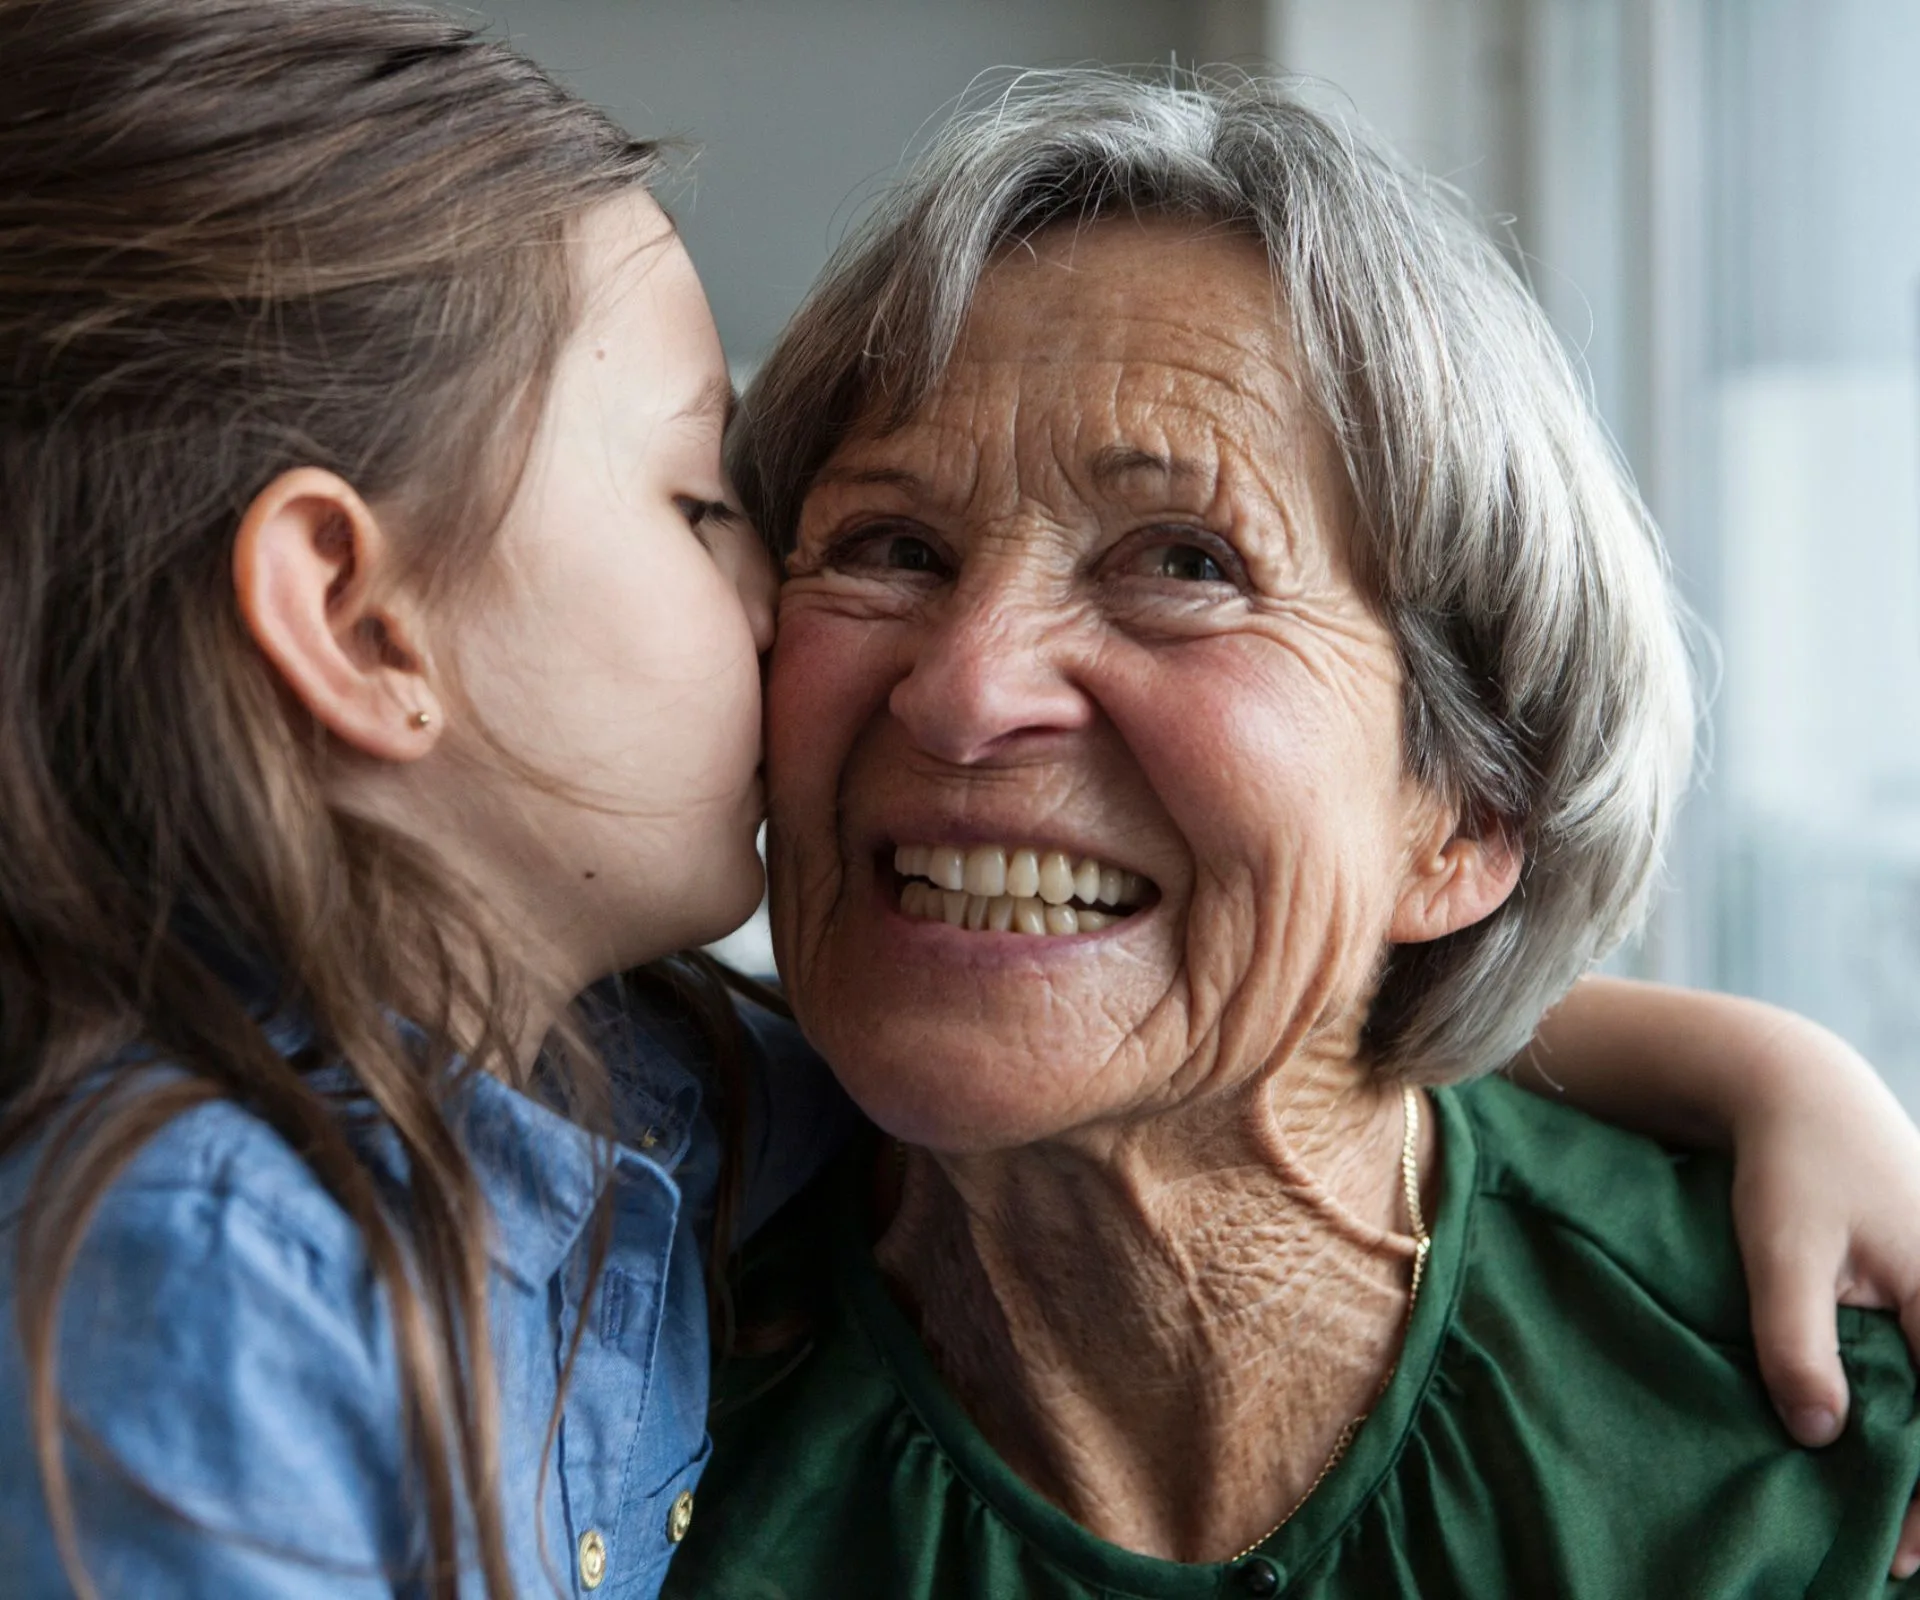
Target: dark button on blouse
x=1258, y=1576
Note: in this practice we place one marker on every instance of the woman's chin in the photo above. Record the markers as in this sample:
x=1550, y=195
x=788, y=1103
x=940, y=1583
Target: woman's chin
x=955, y=1101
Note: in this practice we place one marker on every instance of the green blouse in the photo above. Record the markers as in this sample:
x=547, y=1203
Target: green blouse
x=1577, y=1413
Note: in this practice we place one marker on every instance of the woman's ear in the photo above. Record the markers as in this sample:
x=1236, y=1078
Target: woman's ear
x=1455, y=879
x=310, y=567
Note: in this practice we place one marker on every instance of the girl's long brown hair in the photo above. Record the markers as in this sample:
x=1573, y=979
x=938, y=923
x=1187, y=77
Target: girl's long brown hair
x=239, y=236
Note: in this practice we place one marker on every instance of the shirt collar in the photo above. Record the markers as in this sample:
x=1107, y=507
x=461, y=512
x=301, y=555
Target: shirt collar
x=540, y=1172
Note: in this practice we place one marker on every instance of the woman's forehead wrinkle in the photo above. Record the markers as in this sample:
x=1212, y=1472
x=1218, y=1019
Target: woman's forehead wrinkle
x=1108, y=399
x=932, y=461
x=1237, y=451
x=989, y=442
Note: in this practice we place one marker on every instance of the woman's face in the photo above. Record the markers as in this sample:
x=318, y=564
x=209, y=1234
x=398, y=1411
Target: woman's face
x=618, y=652
x=1093, y=601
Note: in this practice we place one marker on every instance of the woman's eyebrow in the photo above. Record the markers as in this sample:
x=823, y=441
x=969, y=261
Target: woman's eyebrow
x=883, y=477
x=1114, y=463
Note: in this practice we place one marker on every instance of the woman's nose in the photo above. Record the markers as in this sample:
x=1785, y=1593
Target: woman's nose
x=983, y=674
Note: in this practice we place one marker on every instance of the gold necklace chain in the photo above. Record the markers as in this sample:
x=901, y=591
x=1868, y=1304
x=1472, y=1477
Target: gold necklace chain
x=1422, y=1242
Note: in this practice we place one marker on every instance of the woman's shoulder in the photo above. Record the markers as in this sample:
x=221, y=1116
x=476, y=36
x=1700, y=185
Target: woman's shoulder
x=1598, y=1372
x=1633, y=1220
x=1660, y=1218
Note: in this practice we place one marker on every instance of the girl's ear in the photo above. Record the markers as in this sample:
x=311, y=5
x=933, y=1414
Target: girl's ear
x=310, y=567
x=1454, y=880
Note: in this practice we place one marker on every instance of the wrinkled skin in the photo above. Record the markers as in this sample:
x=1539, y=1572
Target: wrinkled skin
x=1004, y=622
x=1096, y=596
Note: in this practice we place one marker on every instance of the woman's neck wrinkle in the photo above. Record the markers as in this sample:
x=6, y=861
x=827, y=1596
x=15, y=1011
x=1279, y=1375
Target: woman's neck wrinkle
x=1165, y=1349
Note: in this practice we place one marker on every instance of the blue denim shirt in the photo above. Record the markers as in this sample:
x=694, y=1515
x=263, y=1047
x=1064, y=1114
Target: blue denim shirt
x=222, y=1337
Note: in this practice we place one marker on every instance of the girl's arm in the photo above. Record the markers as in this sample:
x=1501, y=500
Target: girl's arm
x=1826, y=1192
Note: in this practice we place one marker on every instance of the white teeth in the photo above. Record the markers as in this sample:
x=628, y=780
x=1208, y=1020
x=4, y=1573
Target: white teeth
x=988, y=888
x=1000, y=913
x=1056, y=878
x=986, y=871
x=946, y=866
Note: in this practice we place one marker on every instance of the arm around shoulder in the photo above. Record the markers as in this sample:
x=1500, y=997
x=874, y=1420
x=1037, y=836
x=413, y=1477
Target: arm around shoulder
x=1827, y=1165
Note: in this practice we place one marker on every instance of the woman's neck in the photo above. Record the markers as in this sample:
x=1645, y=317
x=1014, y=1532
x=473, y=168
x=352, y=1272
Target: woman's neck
x=1165, y=1328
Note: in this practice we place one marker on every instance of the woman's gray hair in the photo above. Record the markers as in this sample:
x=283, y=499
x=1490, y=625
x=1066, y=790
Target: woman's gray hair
x=1548, y=691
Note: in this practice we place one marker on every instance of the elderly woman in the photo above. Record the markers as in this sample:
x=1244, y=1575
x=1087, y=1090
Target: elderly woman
x=1226, y=691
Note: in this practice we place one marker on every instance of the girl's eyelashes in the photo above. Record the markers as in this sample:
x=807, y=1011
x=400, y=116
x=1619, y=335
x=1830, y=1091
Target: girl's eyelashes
x=699, y=513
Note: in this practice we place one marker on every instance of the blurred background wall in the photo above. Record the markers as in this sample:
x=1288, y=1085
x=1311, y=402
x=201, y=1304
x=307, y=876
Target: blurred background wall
x=1718, y=201
x=798, y=109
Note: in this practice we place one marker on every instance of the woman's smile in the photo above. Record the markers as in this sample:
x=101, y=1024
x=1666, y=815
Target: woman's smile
x=1023, y=889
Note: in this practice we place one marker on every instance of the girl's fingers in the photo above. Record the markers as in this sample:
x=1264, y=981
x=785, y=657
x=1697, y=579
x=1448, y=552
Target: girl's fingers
x=1797, y=1338
x=1906, y=1554
x=1910, y=1322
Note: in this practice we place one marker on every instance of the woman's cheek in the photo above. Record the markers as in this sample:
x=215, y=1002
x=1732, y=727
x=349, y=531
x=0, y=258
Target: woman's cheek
x=826, y=679
x=1213, y=738
x=1264, y=779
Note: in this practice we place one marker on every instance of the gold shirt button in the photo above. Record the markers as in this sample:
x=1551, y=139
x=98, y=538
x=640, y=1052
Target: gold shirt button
x=680, y=1518
x=593, y=1559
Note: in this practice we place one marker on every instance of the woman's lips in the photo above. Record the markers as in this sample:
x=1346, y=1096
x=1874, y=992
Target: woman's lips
x=987, y=888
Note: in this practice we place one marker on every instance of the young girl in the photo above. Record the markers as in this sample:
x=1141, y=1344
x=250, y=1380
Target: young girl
x=379, y=671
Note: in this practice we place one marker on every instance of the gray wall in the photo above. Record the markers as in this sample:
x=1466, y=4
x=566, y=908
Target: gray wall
x=799, y=110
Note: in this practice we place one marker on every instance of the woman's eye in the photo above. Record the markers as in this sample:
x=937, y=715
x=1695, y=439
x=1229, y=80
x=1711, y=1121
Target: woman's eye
x=904, y=553
x=1185, y=563
x=872, y=551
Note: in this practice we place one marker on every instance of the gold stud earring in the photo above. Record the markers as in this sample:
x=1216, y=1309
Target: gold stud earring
x=421, y=719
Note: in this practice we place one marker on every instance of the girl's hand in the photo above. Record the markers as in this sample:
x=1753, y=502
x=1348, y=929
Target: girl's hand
x=1826, y=1201
x=1826, y=1193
